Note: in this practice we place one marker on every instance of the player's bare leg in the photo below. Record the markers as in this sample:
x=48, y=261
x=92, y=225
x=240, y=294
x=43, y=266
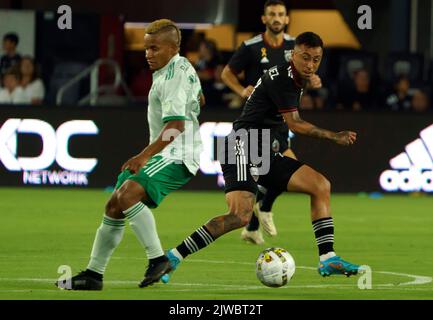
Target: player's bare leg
x=307, y=180
x=240, y=205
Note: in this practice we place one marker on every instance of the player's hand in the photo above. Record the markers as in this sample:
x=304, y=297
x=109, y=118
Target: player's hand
x=247, y=92
x=345, y=138
x=135, y=163
x=314, y=82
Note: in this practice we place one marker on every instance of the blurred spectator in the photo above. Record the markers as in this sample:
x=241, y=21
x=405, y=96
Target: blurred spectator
x=209, y=68
x=312, y=99
x=10, y=57
x=401, y=98
x=32, y=85
x=420, y=101
x=12, y=91
x=307, y=102
x=359, y=95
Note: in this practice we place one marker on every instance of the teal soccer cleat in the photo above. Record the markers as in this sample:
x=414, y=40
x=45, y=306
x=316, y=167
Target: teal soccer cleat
x=174, y=262
x=336, y=265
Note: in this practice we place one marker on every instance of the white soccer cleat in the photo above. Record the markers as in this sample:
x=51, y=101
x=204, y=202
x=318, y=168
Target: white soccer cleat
x=254, y=237
x=266, y=220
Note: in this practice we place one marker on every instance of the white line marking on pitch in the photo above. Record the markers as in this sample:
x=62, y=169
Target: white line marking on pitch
x=418, y=280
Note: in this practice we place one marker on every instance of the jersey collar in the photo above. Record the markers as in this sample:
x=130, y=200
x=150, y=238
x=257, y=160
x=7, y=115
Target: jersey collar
x=296, y=76
x=270, y=45
x=164, y=68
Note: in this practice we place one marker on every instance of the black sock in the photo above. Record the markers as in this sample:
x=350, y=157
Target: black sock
x=324, y=232
x=269, y=199
x=94, y=274
x=158, y=260
x=259, y=196
x=254, y=223
x=196, y=241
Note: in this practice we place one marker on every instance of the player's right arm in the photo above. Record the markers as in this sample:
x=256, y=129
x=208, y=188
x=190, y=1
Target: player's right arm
x=232, y=81
x=282, y=90
x=298, y=125
x=238, y=63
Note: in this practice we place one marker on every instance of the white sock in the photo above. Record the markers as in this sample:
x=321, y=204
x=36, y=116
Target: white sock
x=143, y=224
x=328, y=255
x=177, y=254
x=108, y=237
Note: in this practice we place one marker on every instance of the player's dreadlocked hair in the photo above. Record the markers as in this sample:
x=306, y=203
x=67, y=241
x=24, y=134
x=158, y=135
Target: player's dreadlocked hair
x=163, y=25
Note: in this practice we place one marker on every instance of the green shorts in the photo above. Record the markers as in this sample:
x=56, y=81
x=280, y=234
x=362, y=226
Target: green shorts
x=158, y=177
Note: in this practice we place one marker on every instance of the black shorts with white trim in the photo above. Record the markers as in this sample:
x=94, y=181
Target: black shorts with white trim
x=238, y=172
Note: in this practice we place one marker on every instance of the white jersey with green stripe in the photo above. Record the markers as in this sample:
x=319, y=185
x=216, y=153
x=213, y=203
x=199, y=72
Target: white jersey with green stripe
x=175, y=95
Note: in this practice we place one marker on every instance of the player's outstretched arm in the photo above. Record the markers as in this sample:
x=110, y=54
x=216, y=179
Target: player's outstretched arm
x=170, y=131
x=297, y=125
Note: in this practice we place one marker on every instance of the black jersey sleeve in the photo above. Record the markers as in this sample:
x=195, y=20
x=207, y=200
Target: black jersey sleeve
x=240, y=59
x=282, y=90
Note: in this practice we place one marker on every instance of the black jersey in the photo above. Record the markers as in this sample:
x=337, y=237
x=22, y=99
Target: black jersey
x=255, y=56
x=278, y=91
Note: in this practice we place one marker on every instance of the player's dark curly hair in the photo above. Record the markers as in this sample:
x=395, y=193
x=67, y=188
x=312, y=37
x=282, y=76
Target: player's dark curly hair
x=273, y=3
x=309, y=39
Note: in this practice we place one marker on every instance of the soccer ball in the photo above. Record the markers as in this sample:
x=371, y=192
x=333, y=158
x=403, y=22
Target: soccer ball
x=275, y=267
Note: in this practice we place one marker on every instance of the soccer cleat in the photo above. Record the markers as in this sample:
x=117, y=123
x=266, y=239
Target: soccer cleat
x=154, y=273
x=174, y=262
x=336, y=265
x=82, y=281
x=254, y=237
x=266, y=220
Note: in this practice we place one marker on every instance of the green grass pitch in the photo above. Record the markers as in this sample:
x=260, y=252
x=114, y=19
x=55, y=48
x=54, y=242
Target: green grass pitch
x=42, y=229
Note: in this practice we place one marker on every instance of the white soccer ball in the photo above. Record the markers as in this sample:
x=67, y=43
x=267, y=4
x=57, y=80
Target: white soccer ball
x=275, y=267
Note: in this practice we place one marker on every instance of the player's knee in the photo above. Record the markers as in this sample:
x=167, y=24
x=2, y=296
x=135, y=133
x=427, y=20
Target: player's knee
x=112, y=208
x=323, y=186
x=125, y=198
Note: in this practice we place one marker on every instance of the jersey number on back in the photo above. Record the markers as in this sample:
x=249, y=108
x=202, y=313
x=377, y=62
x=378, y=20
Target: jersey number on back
x=273, y=72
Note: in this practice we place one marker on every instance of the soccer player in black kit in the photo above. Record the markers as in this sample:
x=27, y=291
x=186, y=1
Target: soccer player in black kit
x=254, y=57
x=275, y=99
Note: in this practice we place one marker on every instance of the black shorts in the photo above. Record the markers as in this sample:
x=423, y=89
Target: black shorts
x=280, y=139
x=282, y=169
x=242, y=175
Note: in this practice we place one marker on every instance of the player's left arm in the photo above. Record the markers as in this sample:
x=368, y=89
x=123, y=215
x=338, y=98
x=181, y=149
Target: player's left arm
x=298, y=125
x=168, y=133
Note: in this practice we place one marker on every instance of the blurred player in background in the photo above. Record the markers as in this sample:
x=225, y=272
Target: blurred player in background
x=254, y=57
x=275, y=100
x=169, y=161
